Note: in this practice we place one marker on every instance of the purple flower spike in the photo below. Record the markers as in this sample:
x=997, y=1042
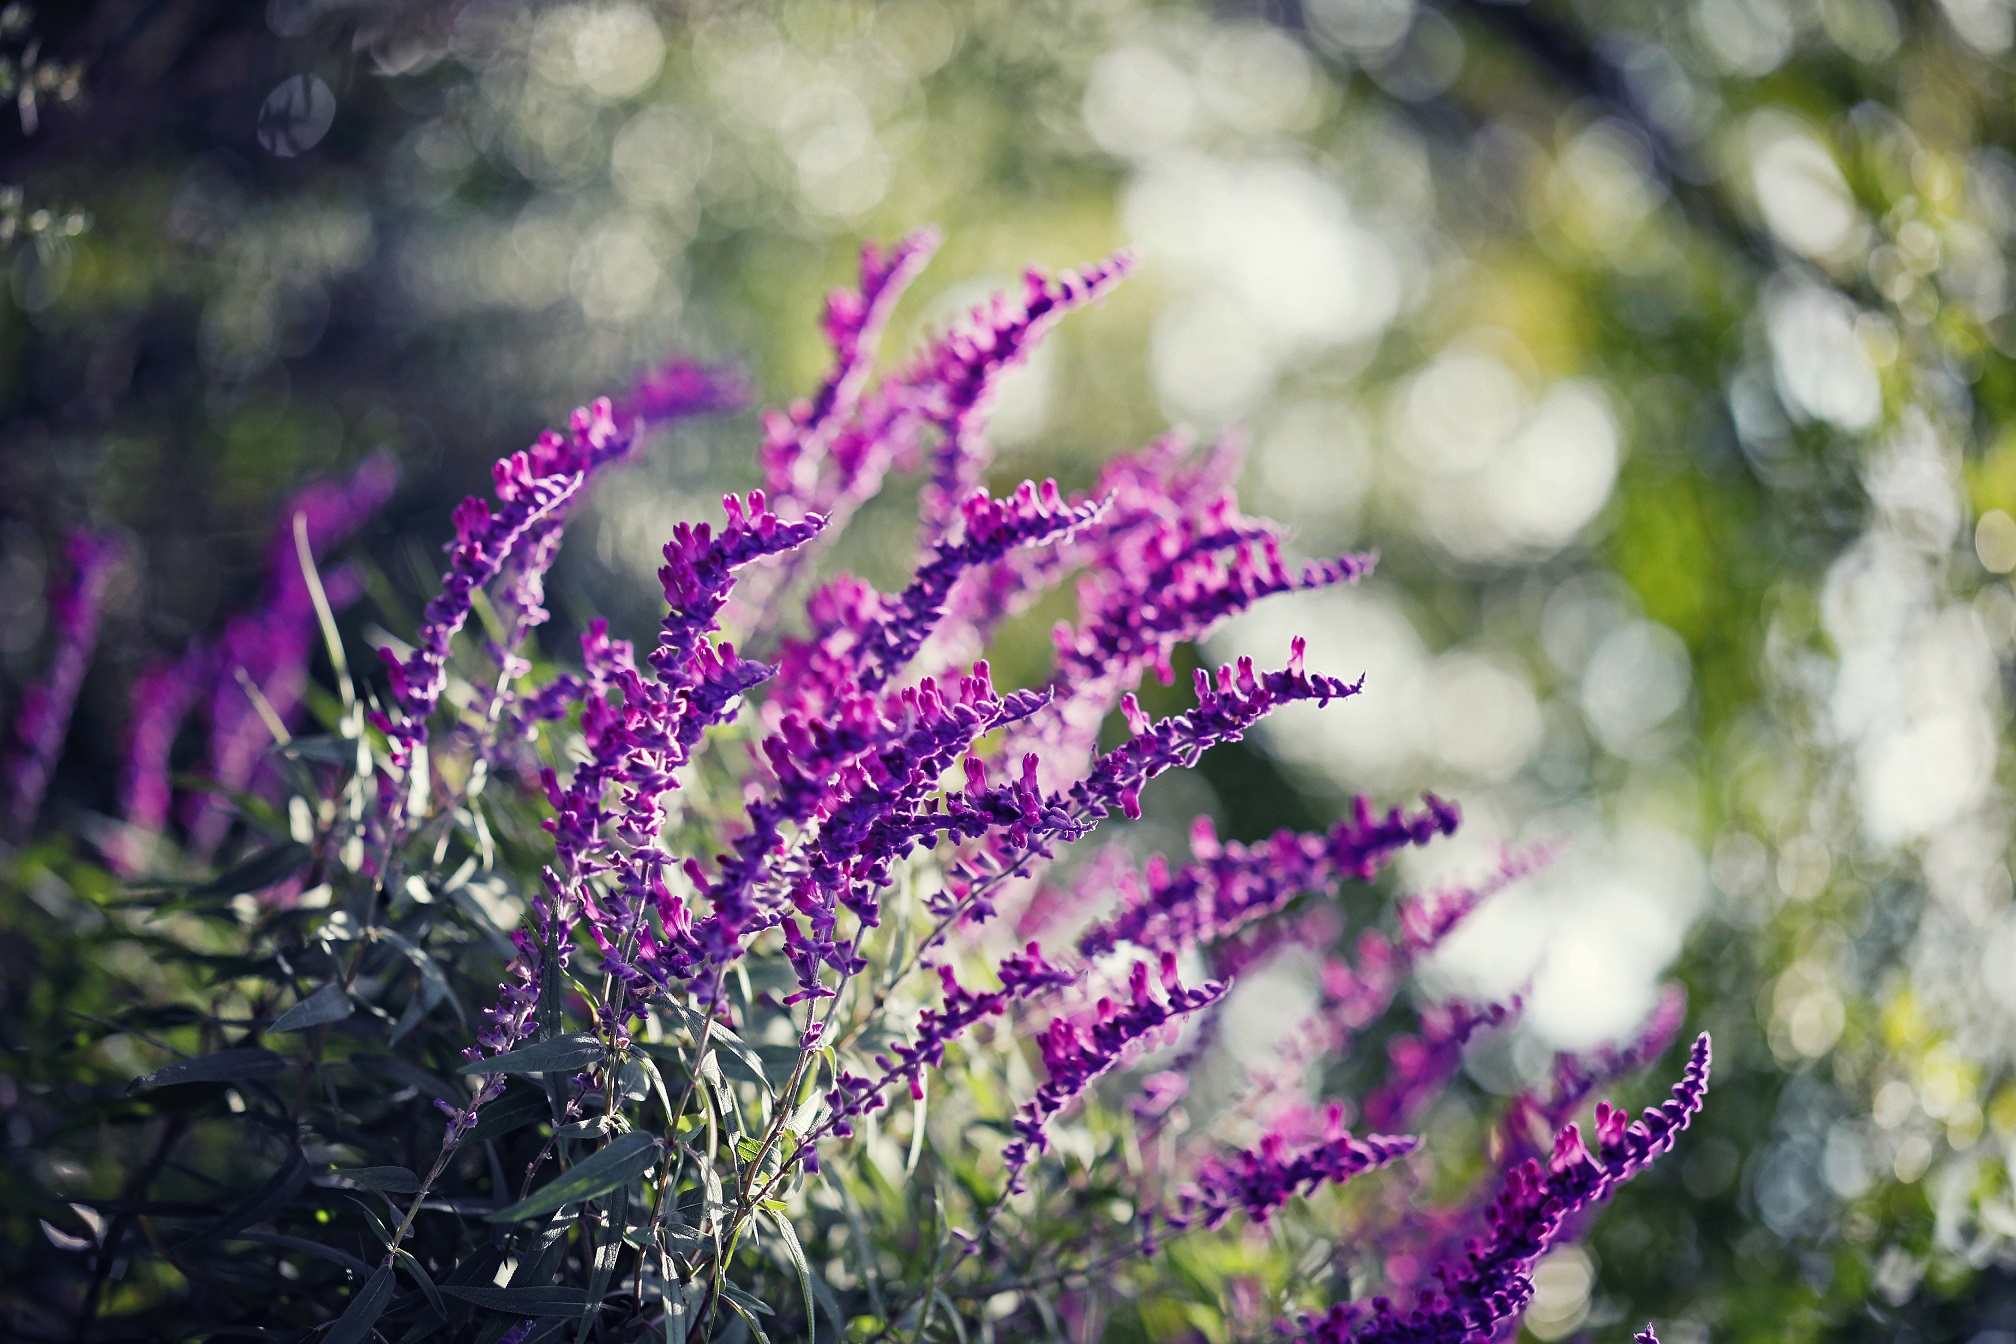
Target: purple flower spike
x=1229, y=886
x=1024, y=975
x=1075, y=1056
x=810, y=460
x=1646, y=1336
x=953, y=385
x=1496, y=1282
x=1533, y=1116
x=681, y=389
x=161, y=699
x=484, y=539
x=990, y=529
x=1237, y=700
x=1258, y=1182
x=44, y=715
x=1422, y=1065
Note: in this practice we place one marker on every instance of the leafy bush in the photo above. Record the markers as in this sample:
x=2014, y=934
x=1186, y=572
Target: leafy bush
x=691, y=996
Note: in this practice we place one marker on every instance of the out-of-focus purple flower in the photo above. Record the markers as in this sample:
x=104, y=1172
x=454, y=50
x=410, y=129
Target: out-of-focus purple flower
x=268, y=648
x=1421, y=1065
x=1426, y=919
x=1228, y=886
x=1075, y=1055
x=1494, y=1282
x=44, y=715
x=161, y=699
x=680, y=389
x=1258, y=1181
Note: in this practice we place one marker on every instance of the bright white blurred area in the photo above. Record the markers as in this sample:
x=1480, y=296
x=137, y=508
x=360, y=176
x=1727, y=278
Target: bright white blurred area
x=1799, y=188
x=1271, y=267
x=1824, y=370
x=1494, y=473
x=1916, y=698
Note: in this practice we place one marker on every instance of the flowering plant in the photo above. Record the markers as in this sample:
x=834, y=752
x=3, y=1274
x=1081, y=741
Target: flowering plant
x=690, y=995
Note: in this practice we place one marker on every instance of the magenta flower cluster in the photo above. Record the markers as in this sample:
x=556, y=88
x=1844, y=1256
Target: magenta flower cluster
x=874, y=737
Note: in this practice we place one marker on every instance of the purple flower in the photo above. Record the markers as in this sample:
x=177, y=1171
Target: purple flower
x=44, y=715
x=1533, y=1116
x=484, y=540
x=1228, y=886
x=1024, y=975
x=268, y=648
x=1259, y=1181
x=952, y=385
x=1420, y=1066
x=1075, y=1054
x=826, y=454
x=680, y=389
x=161, y=699
x=1494, y=1282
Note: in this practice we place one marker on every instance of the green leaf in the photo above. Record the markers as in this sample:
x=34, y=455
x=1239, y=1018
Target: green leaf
x=741, y=1063
x=364, y=1310
x=331, y=1003
x=797, y=1252
x=224, y=1066
x=679, y=1300
x=521, y=1301
x=556, y=1054
x=606, y=1253
x=390, y=1180
x=623, y=1160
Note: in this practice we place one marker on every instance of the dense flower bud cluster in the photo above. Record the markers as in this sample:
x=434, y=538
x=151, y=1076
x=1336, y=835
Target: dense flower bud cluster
x=855, y=819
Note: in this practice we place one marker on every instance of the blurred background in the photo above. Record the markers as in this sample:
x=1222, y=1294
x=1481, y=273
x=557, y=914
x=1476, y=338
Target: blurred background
x=1661, y=348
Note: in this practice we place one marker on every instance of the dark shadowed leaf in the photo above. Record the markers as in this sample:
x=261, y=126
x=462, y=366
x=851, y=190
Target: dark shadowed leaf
x=391, y=1180
x=626, y=1157
x=424, y=1279
x=264, y=869
x=306, y=1247
x=225, y=1066
x=262, y=1203
x=331, y=1003
x=557, y=1054
x=521, y=1301
x=354, y=1325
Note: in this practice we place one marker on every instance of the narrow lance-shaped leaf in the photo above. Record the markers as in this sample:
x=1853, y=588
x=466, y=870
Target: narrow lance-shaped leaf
x=354, y=1325
x=556, y=1054
x=537, y=1301
x=624, y=1159
x=331, y=1003
x=224, y=1066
